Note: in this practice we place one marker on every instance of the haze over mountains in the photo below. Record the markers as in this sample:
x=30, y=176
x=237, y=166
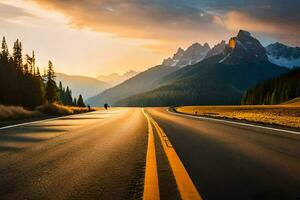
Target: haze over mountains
x=115, y=78
x=151, y=78
x=86, y=86
x=221, y=75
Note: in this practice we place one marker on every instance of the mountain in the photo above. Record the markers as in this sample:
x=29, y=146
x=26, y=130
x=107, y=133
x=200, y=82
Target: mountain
x=84, y=85
x=283, y=55
x=193, y=54
x=144, y=81
x=276, y=90
x=217, y=80
x=115, y=79
x=244, y=49
x=151, y=78
x=217, y=49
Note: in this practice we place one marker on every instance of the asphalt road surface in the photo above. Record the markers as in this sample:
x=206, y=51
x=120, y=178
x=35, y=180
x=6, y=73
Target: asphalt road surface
x=104, y=155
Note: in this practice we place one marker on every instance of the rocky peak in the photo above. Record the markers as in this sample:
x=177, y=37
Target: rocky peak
x=217, y=49
x=243, y=33
x=178, y=54
x=193, y=54
x=246, y=49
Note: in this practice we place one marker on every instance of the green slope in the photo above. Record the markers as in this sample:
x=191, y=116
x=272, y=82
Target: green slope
x=206, y=83
x=144, y=81
x=275, y=91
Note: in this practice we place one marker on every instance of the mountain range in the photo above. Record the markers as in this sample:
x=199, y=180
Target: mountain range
x=221, y=75
x=86, y=86
x=201, y=75
x=151, y=78
x=283, y=55
x=115, y=78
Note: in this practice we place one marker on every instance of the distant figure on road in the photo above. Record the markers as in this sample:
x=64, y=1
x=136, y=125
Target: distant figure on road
x=106, y=106
x=89, y=107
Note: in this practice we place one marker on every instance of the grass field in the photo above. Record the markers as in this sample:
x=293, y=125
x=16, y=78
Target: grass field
x=285, y=115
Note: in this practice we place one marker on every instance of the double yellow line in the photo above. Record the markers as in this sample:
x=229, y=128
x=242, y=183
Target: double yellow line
x=185, y=185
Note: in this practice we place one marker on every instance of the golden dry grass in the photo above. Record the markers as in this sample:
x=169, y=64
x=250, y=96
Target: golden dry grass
x=15, y=113
x=58, y=109
x=284, y=115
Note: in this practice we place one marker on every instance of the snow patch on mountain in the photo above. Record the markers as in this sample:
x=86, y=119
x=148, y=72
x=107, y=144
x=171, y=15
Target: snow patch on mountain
x=284, y=62
x=283, y=55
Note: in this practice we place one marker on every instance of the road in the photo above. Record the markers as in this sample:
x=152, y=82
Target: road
x=129, y=153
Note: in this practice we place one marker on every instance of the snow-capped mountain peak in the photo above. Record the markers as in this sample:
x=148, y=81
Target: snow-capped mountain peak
x=283, y=55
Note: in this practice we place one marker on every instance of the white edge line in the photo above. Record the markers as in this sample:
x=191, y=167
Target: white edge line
x=38, y=121
x=231, y=122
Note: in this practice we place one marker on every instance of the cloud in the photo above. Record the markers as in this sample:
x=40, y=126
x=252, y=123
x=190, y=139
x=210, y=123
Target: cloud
x=10, y=12
x=159, y=19
x=181, y=21
x=275, y=18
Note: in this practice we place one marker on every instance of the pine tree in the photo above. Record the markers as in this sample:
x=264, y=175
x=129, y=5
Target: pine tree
x=33, y=63
x=80, y=102
x=4, y=50
x=17, y=55
x=75, y=101
x=52, y=94
x=69, y=98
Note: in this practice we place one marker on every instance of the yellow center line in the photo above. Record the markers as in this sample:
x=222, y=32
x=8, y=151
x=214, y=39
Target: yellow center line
x=151, y=187
x=184, y=183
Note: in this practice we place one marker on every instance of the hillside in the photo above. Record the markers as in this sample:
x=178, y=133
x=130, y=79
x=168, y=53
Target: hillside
x=84, y=85
x=275, y=91
x=221, y=79
x=142, y=82
x=295, y=101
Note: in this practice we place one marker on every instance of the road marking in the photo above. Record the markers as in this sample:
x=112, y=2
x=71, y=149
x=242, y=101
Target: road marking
x=231, y=122
x=186, y=187
x=151, y=187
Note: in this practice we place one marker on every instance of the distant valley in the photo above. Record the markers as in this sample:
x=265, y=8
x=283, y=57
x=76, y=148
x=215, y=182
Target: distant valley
x=115, y=78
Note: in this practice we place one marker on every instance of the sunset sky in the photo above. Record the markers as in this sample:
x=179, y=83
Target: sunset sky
x=91, y=37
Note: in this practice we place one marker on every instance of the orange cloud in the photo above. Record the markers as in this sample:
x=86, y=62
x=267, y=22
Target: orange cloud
x=281, y=30
x=133, y=19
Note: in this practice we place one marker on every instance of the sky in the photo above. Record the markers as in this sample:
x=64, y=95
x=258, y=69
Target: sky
x=92, y=37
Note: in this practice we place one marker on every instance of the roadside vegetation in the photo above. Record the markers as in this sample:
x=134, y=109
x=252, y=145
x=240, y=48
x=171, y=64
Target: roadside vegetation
x=284, y=115
x=11, y=113
x=16, y=112
x=59, y=110
x=26, y=93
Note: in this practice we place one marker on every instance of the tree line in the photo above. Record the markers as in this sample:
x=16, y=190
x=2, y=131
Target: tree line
x=275, y=91
x=22, y=84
